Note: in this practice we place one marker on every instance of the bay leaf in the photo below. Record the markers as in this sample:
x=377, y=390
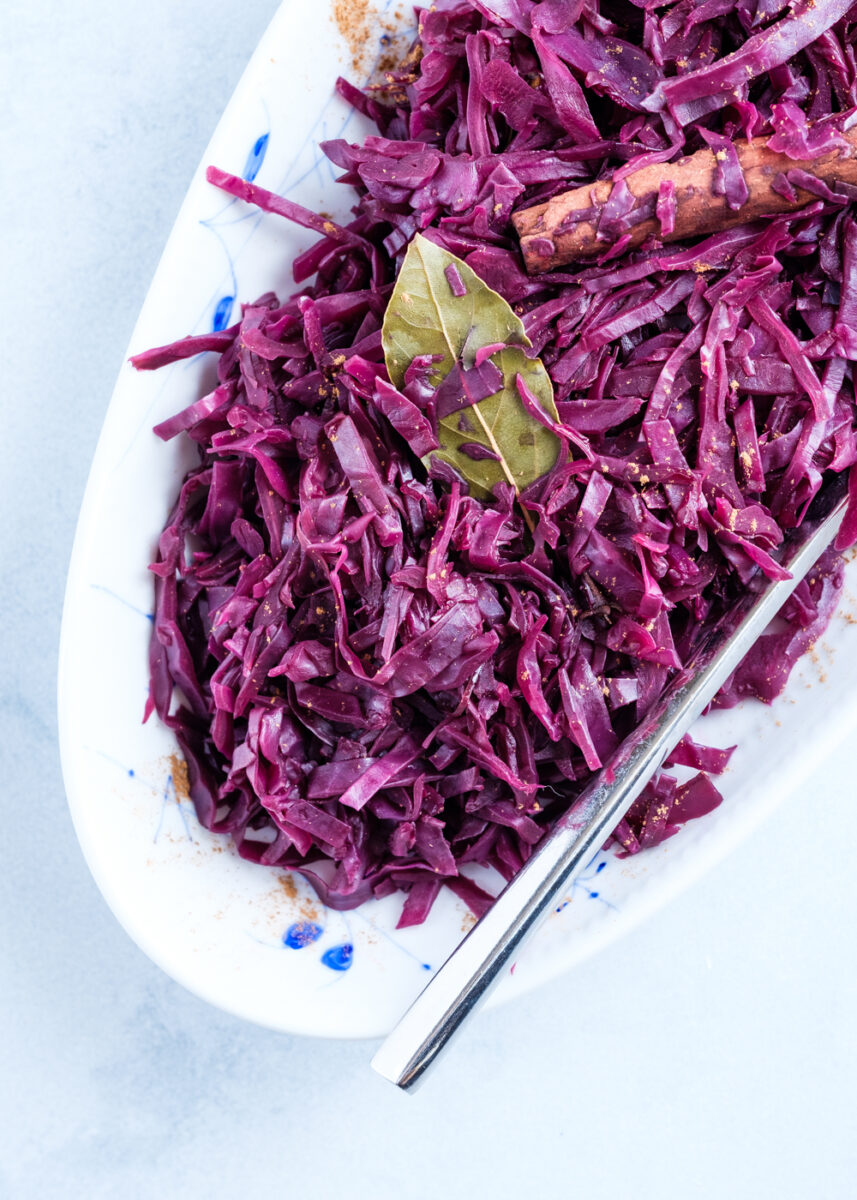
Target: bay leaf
x=425, y=317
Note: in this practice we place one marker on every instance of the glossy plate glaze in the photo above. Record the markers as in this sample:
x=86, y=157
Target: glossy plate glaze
x=256, y=941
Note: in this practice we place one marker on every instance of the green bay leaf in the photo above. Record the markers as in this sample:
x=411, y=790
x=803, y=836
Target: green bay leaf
x=424, y=317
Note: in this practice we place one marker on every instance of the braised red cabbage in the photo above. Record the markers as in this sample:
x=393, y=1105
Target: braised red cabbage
x=381, y=681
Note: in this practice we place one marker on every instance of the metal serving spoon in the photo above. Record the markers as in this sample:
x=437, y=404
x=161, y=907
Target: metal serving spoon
x=490, y=947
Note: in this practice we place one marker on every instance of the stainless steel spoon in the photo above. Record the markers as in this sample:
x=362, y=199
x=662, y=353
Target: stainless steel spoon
x=489, y=949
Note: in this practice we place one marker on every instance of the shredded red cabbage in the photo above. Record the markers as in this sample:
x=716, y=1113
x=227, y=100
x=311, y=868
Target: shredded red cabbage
x=378, y=680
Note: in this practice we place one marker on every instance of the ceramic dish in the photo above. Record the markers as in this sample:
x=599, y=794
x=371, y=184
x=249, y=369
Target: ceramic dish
x=252, y=940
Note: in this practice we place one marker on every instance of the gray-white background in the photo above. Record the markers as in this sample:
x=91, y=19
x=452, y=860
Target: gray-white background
x=711, y=1054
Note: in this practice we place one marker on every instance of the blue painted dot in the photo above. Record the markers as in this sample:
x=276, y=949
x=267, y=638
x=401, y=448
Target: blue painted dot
x=593, y=895
x=339, y=958
x=222, y=313
x=426, y=966
x=256, y=157
x=302, y=933
x=131, y=772
x=600, y=868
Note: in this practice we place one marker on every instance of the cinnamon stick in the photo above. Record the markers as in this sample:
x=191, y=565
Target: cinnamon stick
x=565, y=228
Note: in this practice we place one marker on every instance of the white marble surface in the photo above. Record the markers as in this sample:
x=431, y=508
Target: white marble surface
x=712, y=1054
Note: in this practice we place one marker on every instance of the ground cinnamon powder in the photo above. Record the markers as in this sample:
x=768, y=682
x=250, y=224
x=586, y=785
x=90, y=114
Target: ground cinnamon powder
x=287, y=883
x=359, y=25
x=352, y=19
x=306, y=909
x=181, y=783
